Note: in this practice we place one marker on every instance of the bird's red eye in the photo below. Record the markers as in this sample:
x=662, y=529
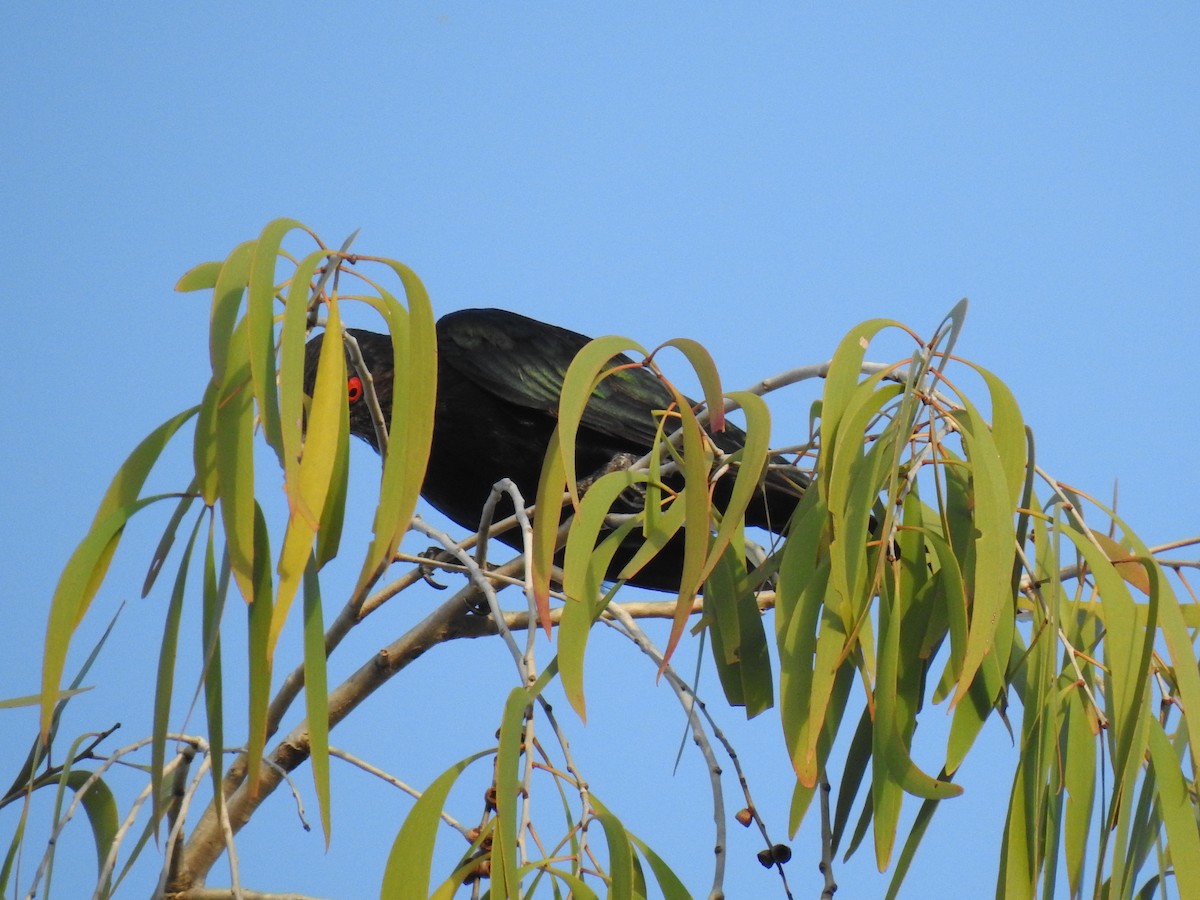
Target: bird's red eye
x=354, y=389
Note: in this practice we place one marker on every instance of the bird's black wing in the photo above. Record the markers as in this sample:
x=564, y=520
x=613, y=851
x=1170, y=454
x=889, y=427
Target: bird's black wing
x=524, y=361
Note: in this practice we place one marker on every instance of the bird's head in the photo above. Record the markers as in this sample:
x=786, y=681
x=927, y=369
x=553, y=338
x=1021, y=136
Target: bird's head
x=377, y=354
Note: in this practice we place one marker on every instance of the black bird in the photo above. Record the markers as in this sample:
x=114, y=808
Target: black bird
x=499, y=379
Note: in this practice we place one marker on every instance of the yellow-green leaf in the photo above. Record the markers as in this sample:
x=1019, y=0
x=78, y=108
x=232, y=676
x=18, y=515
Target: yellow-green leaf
x=406, y=875
x=710, y=380
x=414, y=393
x=581, y=379
x=199, y=278
x=316, y=698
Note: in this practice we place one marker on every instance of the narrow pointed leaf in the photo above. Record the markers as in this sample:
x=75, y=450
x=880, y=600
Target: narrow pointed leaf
x=226, y=303
x=508, y=788
x=581, y=379
x=101, y=808
x=583, y=577
x=260, y=647
x=76, y=587
x=710, y=381
x=1178, y=810
x=260, y=331
x=199, y=278
x=316, y=695
x=620, y=851
x=414, y=392
x=307, y=495
x=406, y=875
x=165, y=681
x=234, y=435
x=551, y=485
x=994, y=545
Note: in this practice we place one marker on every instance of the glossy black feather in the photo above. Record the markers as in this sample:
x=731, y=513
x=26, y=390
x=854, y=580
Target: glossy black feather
x=499, y=379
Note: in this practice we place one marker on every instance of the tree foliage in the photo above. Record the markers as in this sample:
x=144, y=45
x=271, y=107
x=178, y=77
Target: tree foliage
x=932, y=562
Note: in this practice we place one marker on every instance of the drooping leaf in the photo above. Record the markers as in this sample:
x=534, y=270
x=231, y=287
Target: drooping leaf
x=76, y=587
x=414, y=391
x=406, y=875
x=261, y=615
x=710, y=380
x=581, y=380
x=199, y=278
x=552, y=483
x=308, y=493
x=508, y=789
x=164, y=683
x=620, y=851
x=260, y=327
x=994, y=545
x=210, y=637
x=101, y=808
x=585, y=569
x=316, y=700
x=234, y=438
x=1178, y=810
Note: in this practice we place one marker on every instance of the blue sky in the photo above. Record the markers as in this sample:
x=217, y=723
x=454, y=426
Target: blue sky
x=760, y=179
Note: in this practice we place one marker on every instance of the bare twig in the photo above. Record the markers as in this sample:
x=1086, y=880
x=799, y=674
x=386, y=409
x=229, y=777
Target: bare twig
x=687, y=700
x=830, y=887
x=395, y=782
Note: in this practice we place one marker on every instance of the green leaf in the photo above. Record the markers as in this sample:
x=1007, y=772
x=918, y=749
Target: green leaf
x=406, y=875
x=841, y=382
x=508, y=793
x=710, y=381
x=1170, y=617
x=131, y=477
x=204, y=446
x=76, y=587
x=234, y=437
x=36, y=699
x=657, y=535
x=309, y=492
x=316, y=692
x=668, y=882
x=164, y=683
x=583, y=375
x=414, y=391
x=291, y=365
x=584, y=570
x=854, y=478
x=551, y=485
x=226, y=303
x=168, y=537
x=620, y=851
x=1079, y=779
x=101, y=809
x=913, y=841
x=697, y=522
x=261, y=616
x=1178, y=810
x=724, y=624
x=739, y=638
x=260, y=327
x=855, y=767
x=210, y=636
x=752, y=463
x=994, y=544
x=803, y=577
x=199, y=278
x=1129, y=644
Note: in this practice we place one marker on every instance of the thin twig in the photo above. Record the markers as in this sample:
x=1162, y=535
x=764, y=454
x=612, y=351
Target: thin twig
x=397, y=783
x=687, y=700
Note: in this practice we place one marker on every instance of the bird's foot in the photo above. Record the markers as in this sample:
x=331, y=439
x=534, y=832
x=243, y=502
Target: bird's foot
x=630, y=500
x=436, y=554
